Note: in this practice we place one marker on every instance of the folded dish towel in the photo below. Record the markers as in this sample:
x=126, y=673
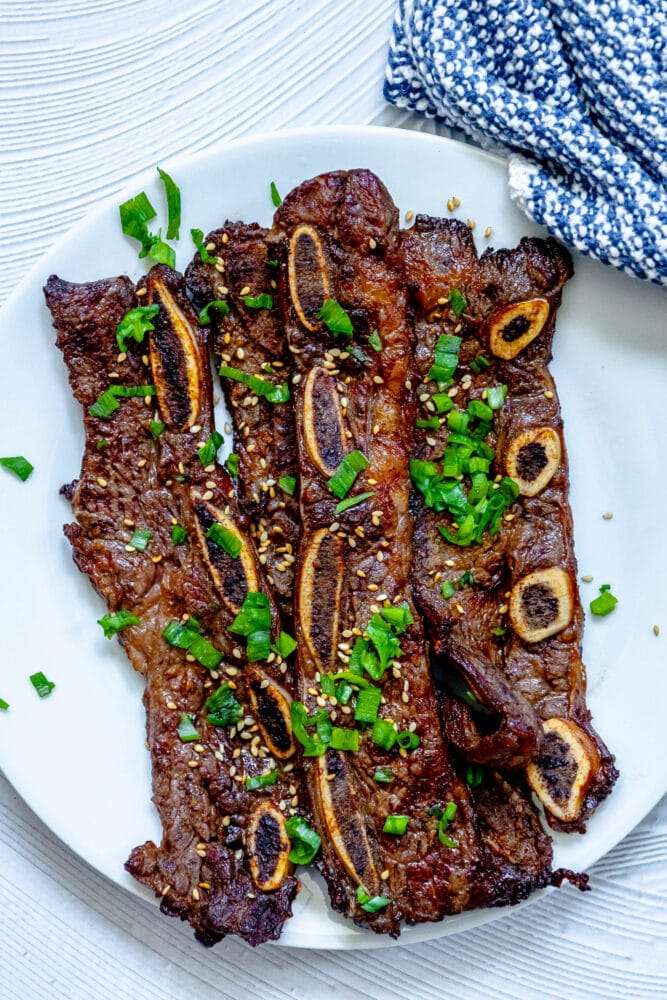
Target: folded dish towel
x=578, y=88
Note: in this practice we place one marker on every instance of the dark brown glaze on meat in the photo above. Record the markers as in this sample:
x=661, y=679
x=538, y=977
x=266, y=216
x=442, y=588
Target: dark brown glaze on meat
x=512, y=297
x=253, y=340
x=336, y=237
x=211, y=867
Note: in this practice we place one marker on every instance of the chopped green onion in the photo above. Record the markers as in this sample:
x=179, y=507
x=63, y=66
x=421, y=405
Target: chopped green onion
x=443, y=402
x=173, y=193
x=186, y=729
x=217, y=305
x=343, y=478
x=178, y=534
x=41, y=684
x=352, y=502
x=19, y=465
x=344, y=739
x=254, y=622
x=407, y=740
x=4, y=705
x=368, y=703
x=275, y=197
x=304, y=840
x=135, y=325
x=371, y=904
x=113, y=623
x=228, y=540
x=328, y=685
x=499, y=632
x=479, y=410
x=262, y=780
x=207, y=454
x=156, y=428
x=269, y=390
x=140, y=539
x=448, y=589
x=356, y=353
x=474, y=775
x=223, y=707
x=384, y=775
x=384, y=734
x=398, y=616
x=262, y=301
x=187, y=637
x=431, y=424
x=313, y=746
x=605, y=603
x=457, y=421
x=232, y=463
x=287, y=484
x=285, y=645
x=335, y=318
x=344, y=692
x=108, y=401
x=351, y=678
x=101, y=444
x=457, y=302
x=374, y=341
x=396, y=825
x=495, y=396
x=198, y=240
x=478, y=364
x=466, y=579
x=134, y=214
x=445, y=361
x=444, y=816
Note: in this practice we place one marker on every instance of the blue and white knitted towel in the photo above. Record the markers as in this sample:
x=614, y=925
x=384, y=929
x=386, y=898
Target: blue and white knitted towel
x=577, y=87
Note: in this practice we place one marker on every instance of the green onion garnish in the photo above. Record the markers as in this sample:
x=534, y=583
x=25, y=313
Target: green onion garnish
x=140, y=539
x=374, y=341
x=285, y=645
x=445, y=361
x=499, y=632
x=275, y=197
x=232, y=463
x=287, y=484
x=223, y=707
x=384, y=775
x=407, y=740
x=269, y=390
x=356, y=353
x=457, y=302
x=135, y=325
x=398, y=616
x=343, y=478
x=102, y=444
x=479, y=410
x=228, y=540
x=344, y=739
x=4, y=705
x=474, y=775
x=198, y=240
x=186, y=730
x=218, y=306
x=262, y=780
x=396, y=825
x=113, y=623
x=186, y=636
x=495, y=396
x=605, y=603
x=41, y=684
x=445, y=816
x=335, y=318
x=173, y=193
x=371, y=904
x=315, y=745
x=254, y=622
x=430, y=424
x=443, y=403
x=352, y=502
x=134, y=214
x=178, y=534
x=19, y=465
x=448, y=589
x=108, y=401
x=262, y=301
x=368, y=703
x=304, y=840
x=478, y=364
x=156, y=428
x=208, y=453
x=384, y=734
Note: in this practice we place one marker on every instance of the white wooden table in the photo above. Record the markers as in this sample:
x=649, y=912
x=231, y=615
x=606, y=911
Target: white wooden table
x=92, y=91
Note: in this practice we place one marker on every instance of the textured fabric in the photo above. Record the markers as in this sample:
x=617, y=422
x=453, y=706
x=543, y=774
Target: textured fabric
x=578, y=87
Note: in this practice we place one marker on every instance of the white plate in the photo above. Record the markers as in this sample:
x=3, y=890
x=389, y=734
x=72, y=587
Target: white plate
x=78, y=757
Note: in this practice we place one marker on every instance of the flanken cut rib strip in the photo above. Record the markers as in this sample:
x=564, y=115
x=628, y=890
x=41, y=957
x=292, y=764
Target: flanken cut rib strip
x=525, y=576
x=253, y=340
x=223, y=846
x=354, y=563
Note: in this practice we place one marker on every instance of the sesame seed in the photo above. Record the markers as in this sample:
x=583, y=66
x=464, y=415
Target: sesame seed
x=378, y=380
x=156, y=559
x=459, y=608
x=330, y=777
x=167, y=887
x=442, y=302
x=409, y=215
x=334, y=527
x=140, y=292
x=102, y=482
x=195, y=894
x=608, y=515
x=470, y=223
x=456, y=201
x=384, y=875
x=128, y=521
x=587, y=578
x=656, y=630
x=450, y=205
x=502, y=610
x=240, y=353
x=549, y=394
x=372, y=587
x=193, y=763
x=199, y=748
x=141, y=463
x=372, y=243
x=245, y=290
x=207, y=495
x=487, y=232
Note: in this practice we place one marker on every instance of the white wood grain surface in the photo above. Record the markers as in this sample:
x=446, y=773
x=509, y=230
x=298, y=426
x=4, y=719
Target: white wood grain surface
x=92, y=91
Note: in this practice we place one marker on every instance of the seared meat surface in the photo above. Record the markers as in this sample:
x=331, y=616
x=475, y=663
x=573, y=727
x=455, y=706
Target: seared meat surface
x=252, y=339
x=513, y=633
x=222, y=862
x=337, y=241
